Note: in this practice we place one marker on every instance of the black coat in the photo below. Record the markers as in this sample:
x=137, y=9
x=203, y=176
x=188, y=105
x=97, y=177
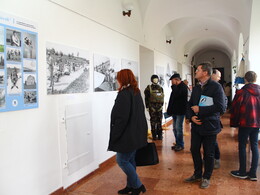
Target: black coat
x=209, y=115
x=178, y=100
x=128, y=127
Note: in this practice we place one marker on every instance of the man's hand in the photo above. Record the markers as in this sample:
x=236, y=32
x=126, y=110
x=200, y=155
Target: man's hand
x=196, y=120
x=195, y=109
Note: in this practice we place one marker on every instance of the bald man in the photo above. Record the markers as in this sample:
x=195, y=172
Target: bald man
x=216, y=75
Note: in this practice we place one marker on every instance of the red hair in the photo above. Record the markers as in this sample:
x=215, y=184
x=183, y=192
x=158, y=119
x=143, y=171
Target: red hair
x=126, y=78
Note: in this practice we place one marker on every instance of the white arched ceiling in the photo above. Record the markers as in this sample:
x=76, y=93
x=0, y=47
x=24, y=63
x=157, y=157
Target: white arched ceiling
x=196, y=25
x=203, y=32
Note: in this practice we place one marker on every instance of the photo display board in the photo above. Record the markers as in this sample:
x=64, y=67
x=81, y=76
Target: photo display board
x=18, y=63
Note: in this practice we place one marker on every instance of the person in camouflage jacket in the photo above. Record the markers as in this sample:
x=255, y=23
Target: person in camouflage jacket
x=154, y=99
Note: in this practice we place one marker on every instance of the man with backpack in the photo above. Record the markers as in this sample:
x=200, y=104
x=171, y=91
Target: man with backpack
x=154, y=99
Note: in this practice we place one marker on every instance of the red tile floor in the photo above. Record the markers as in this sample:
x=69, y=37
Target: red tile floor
x=167, y=177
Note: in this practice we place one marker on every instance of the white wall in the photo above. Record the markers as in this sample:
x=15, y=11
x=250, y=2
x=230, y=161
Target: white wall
x=33, y=144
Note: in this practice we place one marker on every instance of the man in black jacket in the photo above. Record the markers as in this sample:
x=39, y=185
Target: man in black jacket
x=204, y=109
x=177, y=108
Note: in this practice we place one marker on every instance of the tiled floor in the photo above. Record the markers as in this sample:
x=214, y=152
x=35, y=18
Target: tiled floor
x=166, y=178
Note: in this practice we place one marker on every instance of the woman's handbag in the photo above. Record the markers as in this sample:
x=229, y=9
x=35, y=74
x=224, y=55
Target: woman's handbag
x=147, y=155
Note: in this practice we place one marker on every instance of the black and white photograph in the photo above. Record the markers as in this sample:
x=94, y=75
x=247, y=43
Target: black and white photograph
x=13, y=54
x=29, y=81
x=168, y=75
x=14, y=79
x=1, y=39
x=2, y=61
x=29, y=65
x=2, y=78
x=132, y=65
x=30, y=97
x=160, y=73
x=29, y=45
x=13, y=38
x=2, y=98
x=105, y=70
x=67, y=69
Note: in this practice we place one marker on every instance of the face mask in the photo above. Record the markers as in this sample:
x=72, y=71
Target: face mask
x=155, y=80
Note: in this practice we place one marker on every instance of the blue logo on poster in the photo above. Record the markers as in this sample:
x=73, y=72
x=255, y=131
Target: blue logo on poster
x=15, y=103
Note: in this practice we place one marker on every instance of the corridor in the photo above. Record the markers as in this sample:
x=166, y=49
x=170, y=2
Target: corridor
x=166, y=178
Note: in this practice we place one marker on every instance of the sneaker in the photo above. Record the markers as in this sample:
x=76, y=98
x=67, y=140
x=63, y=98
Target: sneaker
x=178, y=148
x=216, y=163
x=251, y=177
x=238, y=175
x=173, y=147
x=204, y=183
x=192, y=179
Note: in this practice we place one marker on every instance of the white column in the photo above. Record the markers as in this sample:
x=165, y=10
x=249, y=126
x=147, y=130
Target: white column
x=254, y=40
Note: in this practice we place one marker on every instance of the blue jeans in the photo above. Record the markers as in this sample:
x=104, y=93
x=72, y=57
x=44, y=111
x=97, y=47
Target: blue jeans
x=178, y=129
x=126, y=162
x=243, y=134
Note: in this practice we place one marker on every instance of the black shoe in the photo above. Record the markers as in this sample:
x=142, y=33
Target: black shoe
x=251, y=177
x=126, y=190
x=192, y=179
x=173, y=147
x=178, y=148
x=238, y=175
x=138, y=190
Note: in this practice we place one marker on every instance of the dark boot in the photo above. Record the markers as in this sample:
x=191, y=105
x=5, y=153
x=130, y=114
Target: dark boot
x=154, y=134
x=126, y=190
x=159, y=133
x=138, y=190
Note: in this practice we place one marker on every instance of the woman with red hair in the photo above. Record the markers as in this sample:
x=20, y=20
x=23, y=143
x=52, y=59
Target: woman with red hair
x=128, y=129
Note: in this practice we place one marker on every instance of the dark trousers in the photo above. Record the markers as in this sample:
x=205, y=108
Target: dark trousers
x=208, y=143
x=217, y=152
x=243, y=134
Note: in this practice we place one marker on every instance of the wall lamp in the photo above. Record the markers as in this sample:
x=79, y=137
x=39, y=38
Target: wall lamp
x=185, y=55
x=129, y=7
x=128, y=13
x=169, y=41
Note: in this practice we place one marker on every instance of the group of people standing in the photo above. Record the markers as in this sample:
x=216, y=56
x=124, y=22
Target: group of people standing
x=128, y=129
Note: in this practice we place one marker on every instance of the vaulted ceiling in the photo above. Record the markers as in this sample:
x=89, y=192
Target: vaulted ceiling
x=197, y=25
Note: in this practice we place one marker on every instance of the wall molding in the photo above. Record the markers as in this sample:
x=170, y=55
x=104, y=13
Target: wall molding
x=60, y=191
x=102, y=167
